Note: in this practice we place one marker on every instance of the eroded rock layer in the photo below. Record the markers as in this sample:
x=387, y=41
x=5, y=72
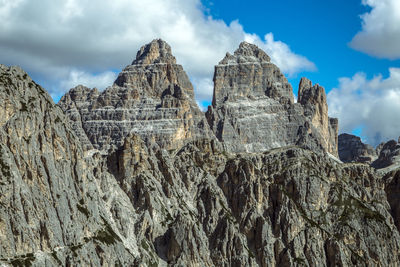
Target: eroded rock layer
x=152, y=97
x=352, y=149
x=152, y=202
x=57, y=206
x=205, y=207
x=253, y=108
x=389, y=155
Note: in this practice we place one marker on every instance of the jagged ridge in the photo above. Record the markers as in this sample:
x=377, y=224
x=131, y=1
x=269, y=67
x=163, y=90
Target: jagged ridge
x=153, y=97
x=253, y=108
x=146, y=203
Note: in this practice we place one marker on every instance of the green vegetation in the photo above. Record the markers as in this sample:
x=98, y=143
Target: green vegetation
x=5, y=169
x=169, y=218
x=24, y=107
x=353, y=206
x=300, y=261
x=24, y=260
x=54, y=255
x=145, y=246
x=153, y=261
x=107, y=235
x=82, y=208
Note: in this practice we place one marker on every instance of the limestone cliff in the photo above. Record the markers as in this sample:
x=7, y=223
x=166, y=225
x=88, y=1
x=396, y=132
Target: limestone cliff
x=352, y=149
x=313, y=99
x=152, y=97
x=156, y=201
x=253, y=108
x=389, y=155
x=57, y=205
x=289, y=206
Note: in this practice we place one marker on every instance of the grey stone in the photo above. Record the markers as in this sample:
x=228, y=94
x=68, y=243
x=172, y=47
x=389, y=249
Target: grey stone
x=253, y=108
x=379, y=148
x=56, y=202
x=153, y=97
x=286, y=207
x=389, y=156
x=352, y=149
x=392, y=188
x=314, y=101
x=249, y=74
x=150, y=201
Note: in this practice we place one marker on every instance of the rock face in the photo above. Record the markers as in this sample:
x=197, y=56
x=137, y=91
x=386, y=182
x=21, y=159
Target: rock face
x=57, y=207
x=352, y=149
x=253, y=108
x=385, y=156
x=152, y=97
x=202, y=206
x=152, y=202
x=392, y=188
x=313, y=99
x=389, y=155
x=249, y=73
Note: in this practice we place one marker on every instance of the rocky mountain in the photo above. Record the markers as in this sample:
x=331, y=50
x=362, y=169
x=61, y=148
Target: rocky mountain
x=57, y=205
x=389, y=155
x=352, y=149
x=253, y=109
x=70, y=195
x=385, y=156
x=289, y=206
x=152, y=97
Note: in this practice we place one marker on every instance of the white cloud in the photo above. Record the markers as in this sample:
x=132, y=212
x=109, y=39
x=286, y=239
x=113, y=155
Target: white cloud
x=100, y=81
x=380, y=34
x=281, y=54
x=372, y=105
x=53, y=39
x=205, y=93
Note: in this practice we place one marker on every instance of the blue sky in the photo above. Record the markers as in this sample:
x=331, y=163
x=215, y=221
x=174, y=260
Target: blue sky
x=352, y=47
x=319, y=30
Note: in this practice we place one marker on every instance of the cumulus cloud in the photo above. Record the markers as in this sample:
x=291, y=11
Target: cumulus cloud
x=100, y=81
x=69, y=41
x=380, y=34
x=281, y=54
x=204, y=95
x=371, y=105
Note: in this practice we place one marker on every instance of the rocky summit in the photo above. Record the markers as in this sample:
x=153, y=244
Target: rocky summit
x=152, y=97
x=253, y=108
x=352, y=149
x=137, y=175
x=385, y=157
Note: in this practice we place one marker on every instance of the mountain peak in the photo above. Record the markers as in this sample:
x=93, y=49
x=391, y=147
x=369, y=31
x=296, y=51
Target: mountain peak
x=309, y=93
x=157, y=51
x=246, y=52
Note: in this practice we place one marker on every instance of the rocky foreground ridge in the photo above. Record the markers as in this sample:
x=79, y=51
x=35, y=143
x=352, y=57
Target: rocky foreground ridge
x=138, y=176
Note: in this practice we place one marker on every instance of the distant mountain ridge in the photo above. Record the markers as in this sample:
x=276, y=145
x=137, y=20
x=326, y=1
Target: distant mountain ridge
x=384, y=156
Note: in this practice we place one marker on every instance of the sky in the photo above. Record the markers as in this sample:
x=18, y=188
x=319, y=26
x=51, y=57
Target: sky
x=350, y=47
